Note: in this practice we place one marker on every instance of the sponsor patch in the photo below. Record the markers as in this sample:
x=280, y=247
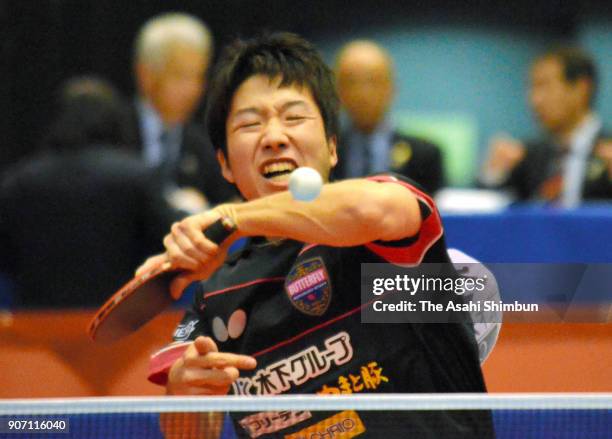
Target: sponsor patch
x=344, y=425
x=369, y=377
x=183, y=331
x=234, y=329
x=308, y=287
x=270, y=422
x=294, y=371
x=401, y=153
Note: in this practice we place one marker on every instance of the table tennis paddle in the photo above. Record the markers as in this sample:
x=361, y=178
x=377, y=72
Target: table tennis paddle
x=145, y=296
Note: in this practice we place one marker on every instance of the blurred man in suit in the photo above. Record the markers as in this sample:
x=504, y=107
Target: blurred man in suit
x=572, y=163
x=172, y=53
x=364, y=75
x=77, y=217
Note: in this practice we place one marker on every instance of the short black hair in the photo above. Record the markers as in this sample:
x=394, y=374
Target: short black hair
x=577, y=64
x=277, y=55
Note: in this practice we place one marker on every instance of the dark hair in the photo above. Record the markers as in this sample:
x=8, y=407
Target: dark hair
x=90, y=112
x=283, y=55
x=576, y=64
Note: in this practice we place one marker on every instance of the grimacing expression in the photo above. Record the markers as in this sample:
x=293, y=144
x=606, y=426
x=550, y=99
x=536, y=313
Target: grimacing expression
x=270, y=132
x=175, y=88
x=555, y=101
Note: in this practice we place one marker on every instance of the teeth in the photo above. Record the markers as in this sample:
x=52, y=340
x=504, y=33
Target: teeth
x=278, y=167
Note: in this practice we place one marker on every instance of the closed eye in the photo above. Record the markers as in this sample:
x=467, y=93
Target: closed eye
x=295, y=118
x=249, y=125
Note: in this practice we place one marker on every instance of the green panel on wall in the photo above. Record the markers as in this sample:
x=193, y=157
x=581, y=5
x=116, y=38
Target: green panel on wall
x=456, y=134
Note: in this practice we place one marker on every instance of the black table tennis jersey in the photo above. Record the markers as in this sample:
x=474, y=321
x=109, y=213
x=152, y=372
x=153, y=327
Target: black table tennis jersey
x=296, y=308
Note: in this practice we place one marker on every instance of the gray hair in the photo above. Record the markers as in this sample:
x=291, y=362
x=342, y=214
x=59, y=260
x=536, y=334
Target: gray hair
x=160, y=33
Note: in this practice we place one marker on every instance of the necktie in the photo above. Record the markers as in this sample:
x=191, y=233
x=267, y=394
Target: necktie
x=168, y=160
x=359, y=163
x=551, y=188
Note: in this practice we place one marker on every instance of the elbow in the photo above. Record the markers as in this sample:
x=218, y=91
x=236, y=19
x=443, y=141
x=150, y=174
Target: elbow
x=388, y=212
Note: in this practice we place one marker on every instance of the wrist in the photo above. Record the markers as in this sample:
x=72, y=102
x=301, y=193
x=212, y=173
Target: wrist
x=228, y=213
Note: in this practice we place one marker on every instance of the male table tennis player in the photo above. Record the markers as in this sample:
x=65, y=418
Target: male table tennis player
x=252, y=331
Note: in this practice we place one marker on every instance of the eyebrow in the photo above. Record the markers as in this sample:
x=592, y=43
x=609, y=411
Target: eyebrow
x=257, y=111
x=289, y=104
x=247, y=110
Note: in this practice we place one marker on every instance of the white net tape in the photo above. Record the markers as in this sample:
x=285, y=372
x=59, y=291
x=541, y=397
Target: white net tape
x=523, y=401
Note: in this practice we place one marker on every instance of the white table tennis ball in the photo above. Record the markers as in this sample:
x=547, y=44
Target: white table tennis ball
x=305, y=184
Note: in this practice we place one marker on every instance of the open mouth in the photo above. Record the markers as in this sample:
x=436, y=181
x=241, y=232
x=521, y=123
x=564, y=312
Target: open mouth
x=278, y=170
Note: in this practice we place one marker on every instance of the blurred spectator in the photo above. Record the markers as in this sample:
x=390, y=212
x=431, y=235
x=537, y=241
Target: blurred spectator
x=79, y=216
x=364, y=73
x=172, y=53
x=574, y=162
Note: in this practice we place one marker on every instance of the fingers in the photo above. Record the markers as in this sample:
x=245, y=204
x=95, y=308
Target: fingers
x=207, y=390
x=221, y=360
x=186, y=244
x=178, y=257
x=196, y=381
x=203, y=271
x=210, y=377
x=204, y=345
x=191, y=230
x=202, y=370
x=505, y=153
x=151, y=263
x=207, y=355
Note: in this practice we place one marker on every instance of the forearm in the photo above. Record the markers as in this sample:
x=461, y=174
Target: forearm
x=346, y=213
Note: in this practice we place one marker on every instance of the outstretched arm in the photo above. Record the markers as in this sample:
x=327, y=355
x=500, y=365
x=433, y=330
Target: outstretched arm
x=347, y=213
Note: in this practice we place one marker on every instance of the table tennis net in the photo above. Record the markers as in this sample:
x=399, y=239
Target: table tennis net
x=314, y=417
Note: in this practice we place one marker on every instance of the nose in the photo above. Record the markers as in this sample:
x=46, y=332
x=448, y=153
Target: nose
x=274, y=137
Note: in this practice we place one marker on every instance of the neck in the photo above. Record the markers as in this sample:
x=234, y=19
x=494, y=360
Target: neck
x=166, y=120
x=169, y=123
x=564, y=134
x=367, y=128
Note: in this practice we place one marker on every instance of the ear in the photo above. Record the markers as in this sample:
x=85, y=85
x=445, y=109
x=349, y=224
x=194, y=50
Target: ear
x=584, y=88
x=144, y=77
x=332, y=144
x=225, y=168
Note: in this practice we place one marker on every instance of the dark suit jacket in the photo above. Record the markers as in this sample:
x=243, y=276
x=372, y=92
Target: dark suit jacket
x=197, y=166
x=533, y=170
x=75, y=225
x=412, y=157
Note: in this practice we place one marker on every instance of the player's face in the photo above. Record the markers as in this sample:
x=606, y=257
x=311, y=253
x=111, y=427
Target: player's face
x=176, y=87
x=555, y=101
x=270, y=132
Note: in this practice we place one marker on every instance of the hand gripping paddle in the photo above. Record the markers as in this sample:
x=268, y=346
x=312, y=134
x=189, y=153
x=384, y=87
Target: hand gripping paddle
x=145, y=296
